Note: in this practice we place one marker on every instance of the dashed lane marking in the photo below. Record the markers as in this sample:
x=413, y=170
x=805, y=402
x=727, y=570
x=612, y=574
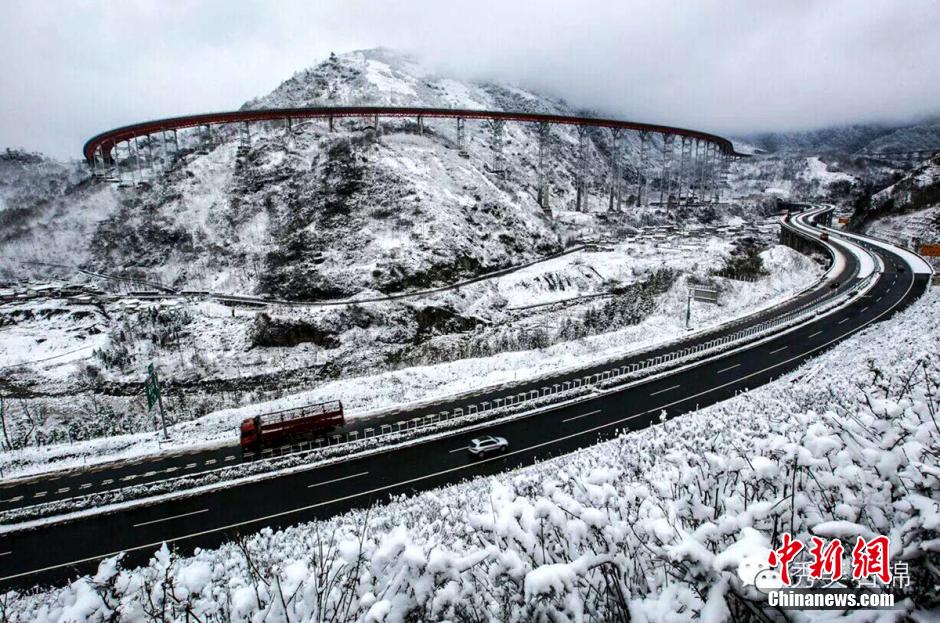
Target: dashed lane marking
x=39, y=494
x=5, y=553
x=230, y=457
x=108, y=481
x=668, y=389
x=809, y=337
x=778, y=350
x=863, y=311
x=843, y=320
x=86, y=485
x=737, y=365
x=320, y=484
x=578, y=417
x=190, y=466
x=63, y=490
x=170, y=470
x=458, y=449
x=211, y=462
x=153, y=521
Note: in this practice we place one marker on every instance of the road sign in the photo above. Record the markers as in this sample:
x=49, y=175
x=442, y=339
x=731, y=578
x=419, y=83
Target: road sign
x=705, y=295
x=930, y=250
x=152, y=389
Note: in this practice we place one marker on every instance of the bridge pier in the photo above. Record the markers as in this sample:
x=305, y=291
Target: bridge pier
x=461, y=122
x=496, y=143
x=140, y=171
x=420, y=125
x=581, y=179
x=543, y=133
x=616, y=184
x=667, y=165
x=641, y=198
x=378, y=126
x=330, y=120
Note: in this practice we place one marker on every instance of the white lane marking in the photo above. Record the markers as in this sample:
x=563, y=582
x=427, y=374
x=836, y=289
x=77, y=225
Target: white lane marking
x=150, y=473
x=458, y=449
x=15, y=499
x=778, y=350
x=301, y=509
x=153, y=521
x=863, y=311
x=108, y=481
x=663, y=391
x=210, y=462
x=230, y=457
x=809, y=337
x=578, y=417
x=129, y=477
x=86, y=485
x=190, y=466
x=5, y=553
x=40, y=494
x=170, y=470
x=843, y=320
x=63, y=490
x=878, y=300
x=320, y=484
x=737, y=365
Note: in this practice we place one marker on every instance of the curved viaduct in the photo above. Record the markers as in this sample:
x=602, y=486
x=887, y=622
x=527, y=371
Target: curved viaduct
x=702, y=157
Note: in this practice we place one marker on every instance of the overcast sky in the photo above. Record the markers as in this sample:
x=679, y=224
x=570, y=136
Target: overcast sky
x=70, y=69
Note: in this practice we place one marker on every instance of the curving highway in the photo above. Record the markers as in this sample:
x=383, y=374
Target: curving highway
x=63, y=547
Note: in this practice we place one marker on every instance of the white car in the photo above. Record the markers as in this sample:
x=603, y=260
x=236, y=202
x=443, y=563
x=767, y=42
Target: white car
x=482, y=446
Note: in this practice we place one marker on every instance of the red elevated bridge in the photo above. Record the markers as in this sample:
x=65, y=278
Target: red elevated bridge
x=100, y=146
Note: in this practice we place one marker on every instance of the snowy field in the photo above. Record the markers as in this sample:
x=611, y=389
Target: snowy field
x=650, y=526
x=790, y=272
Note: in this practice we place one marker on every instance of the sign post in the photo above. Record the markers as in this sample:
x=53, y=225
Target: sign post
x=152, y=389
x=701, y=294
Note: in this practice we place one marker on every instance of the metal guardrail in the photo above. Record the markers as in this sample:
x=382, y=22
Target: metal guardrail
x=603, y=380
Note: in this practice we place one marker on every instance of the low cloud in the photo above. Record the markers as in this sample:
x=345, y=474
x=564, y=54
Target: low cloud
x=73, y=69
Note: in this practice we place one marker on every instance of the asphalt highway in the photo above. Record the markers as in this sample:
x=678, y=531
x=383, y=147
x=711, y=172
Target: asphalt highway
x=66, y=485
x=60, y=550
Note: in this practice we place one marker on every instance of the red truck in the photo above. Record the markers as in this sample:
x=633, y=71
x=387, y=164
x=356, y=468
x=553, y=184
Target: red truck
x=271, y=429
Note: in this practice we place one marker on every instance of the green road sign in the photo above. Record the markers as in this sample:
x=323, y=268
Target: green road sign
x=151, y=387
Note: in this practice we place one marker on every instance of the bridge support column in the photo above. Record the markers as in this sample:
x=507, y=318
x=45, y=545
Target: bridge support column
x=461, y=123
x=166, y=155
x=330, y=119
x=543, y=133
x=246, y=138
x=496, y=143
x=616, y=183
x=140, y=171
x=116, y=157
x=699, y=170
x=420, y=124
x=153, y=170
x=581, y=200
x=641, y=169
x=682, y=160
x=378, y=126
x=667, y=165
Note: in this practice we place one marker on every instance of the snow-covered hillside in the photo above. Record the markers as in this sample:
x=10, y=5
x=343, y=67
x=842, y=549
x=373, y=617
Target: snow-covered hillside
x=650, y=526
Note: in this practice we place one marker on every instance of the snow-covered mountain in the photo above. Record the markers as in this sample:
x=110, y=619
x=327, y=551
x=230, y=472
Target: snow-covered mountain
x=849, y=139
x=319, y=214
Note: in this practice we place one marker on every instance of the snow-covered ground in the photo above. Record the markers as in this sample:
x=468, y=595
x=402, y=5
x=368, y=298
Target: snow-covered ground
x=789, y=271
x=652, y=524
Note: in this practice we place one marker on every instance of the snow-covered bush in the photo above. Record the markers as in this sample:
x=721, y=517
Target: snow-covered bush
x=649, y=526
